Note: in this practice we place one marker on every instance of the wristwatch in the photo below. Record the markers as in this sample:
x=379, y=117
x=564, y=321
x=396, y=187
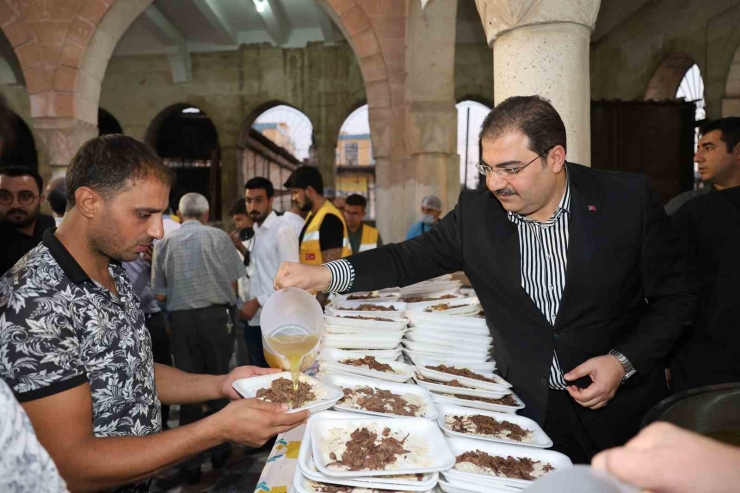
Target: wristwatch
x=629, y=370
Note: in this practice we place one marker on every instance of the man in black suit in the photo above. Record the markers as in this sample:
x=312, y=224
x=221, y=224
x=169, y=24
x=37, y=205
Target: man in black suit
x=581, y=275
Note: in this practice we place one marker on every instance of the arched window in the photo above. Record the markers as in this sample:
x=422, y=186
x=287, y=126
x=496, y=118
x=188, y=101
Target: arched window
x=287, y=127
x=355, y=160
x=186, y=138
x=470, y=116
x=691, y=89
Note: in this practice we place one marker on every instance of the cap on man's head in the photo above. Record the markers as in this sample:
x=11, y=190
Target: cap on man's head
x=304, y=177
x=432, y=202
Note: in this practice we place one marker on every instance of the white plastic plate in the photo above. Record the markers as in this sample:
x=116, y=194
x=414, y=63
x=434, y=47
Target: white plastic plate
x=334, y=354
x=383, y=295
x=476, y=366
x=397, y=323
x=248, y=387
x=465, y=306
x=539, y=437
x=457, y=486
x=481, y=352
x=472, y=392
x=446, y=339
x=352, y=341
x=449, y=329
x=461, y=445
x=347, y=329
x=342, y=382
x=401, y=371
x=445, y=319
x=424, y=304
x=443, y=399
x=302, y=484
x=474, y=359
x=307, y=465
x=435, y=456
x=431, y=288
x=500, y=384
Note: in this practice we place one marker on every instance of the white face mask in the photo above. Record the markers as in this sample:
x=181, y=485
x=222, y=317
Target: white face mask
x=427, y=219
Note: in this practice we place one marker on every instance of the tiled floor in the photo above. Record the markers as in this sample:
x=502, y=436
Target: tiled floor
x=239, y=475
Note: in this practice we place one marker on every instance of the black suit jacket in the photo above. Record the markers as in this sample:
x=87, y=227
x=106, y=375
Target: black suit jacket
x=626, y=288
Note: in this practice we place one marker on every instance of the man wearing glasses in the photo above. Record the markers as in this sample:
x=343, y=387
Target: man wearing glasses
x=21, y=225
x=580, y=273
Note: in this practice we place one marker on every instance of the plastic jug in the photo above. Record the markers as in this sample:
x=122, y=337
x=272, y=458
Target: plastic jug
x=292, y=322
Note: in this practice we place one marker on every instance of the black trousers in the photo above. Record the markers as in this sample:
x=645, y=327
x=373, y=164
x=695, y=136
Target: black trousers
x=564, y=427
x=155, y=324
x=202, y=344
x=253, y=339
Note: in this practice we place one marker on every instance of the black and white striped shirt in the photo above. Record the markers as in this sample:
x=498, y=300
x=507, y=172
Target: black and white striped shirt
x=543, y=248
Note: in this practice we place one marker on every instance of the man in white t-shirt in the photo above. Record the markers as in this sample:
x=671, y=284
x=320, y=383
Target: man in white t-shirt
x=275, y=242
x=295, y=217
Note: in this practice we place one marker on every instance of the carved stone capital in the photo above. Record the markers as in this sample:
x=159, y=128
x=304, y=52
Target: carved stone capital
x=500, y=16
x=61, y=138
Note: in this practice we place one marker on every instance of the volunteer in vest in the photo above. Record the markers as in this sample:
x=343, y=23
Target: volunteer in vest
x=324, y=236
x=362, y=237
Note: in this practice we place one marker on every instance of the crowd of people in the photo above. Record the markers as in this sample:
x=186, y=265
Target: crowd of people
x=115, y=308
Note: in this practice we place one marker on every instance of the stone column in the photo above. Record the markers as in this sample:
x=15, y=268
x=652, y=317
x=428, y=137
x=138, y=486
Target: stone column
x=542, y=47
x=60, y=138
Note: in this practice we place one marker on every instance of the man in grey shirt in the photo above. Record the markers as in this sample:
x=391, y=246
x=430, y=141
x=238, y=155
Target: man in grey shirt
x=195, y=270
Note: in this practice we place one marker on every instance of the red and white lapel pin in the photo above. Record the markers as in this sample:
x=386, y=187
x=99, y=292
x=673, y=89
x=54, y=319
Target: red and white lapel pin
x=592, y=208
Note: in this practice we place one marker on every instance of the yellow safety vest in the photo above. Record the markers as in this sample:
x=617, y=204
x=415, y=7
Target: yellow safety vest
x=310, y=250
x=369, y=238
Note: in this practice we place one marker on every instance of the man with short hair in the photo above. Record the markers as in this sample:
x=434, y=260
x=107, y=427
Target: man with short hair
x=324, y=236
x=195, y=270
x=275, y=242
x=431, y=209
x=74, y=346
x=21, y=225
x=708, y=353
x=362, y=236
x=243, y=239
x=717, y=172
x=582, y=277
x=56, y=196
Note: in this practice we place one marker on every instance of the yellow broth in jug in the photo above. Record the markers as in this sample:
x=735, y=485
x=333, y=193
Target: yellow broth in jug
x=298, y=349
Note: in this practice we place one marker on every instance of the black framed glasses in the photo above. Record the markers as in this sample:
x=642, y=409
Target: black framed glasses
x=507, y=174
x=25, y=197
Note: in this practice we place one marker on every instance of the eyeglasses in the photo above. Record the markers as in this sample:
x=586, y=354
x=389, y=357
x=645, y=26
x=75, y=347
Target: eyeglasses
x=507, y=174
x=25, y=197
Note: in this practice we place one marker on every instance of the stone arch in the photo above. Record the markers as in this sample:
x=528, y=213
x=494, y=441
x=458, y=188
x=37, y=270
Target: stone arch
x=352, y=18
x=667, y=76
x=257, y=111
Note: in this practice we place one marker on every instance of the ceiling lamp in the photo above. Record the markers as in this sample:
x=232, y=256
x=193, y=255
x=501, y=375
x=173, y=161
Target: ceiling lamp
x=260, y=5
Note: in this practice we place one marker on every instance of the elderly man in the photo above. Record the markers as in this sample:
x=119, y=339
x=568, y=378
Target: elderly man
x=76, y=351
x=431, y=209
x=582, y=276
x=195, y=270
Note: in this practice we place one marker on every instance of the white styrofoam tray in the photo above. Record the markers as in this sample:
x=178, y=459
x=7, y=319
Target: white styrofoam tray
x=443, y=399
x=445, y=319
x=383, y=295
x=424, y=304
x=483, y=351
x=431, y=356
x=399, y=305
x=472, y=392
x=442, y=339
x=457, y=486
x=448, y=329
x=431, y=288
x=397, y=323
x=302, y=484
x=476, y=366
x=461, y=445
x=539, y=437
x=500, y=384
x=332, y=312
x=248, y=387
x=401, y=371
x=308, y=466
x=463, y=306
x=348, y=329
x=342, y=382
x=435, y=456
x=352, y=341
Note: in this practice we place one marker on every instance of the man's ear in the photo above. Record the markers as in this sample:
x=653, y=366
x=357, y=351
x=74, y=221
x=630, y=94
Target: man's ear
x=87, y=201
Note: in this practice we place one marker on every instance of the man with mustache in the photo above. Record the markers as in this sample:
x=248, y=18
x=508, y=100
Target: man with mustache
x=275, y=242
x=74, y=345
x=581, y=274
x=21, y=224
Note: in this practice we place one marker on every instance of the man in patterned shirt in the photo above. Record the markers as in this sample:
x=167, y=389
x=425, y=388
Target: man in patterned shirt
x=74, y=346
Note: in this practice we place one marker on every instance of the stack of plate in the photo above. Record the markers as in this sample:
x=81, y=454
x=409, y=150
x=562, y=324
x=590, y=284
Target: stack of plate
x=331, y=362
x=415, y=471
x=447, y=338
x=349, y=332
x=455, y=480
x=393, y=309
